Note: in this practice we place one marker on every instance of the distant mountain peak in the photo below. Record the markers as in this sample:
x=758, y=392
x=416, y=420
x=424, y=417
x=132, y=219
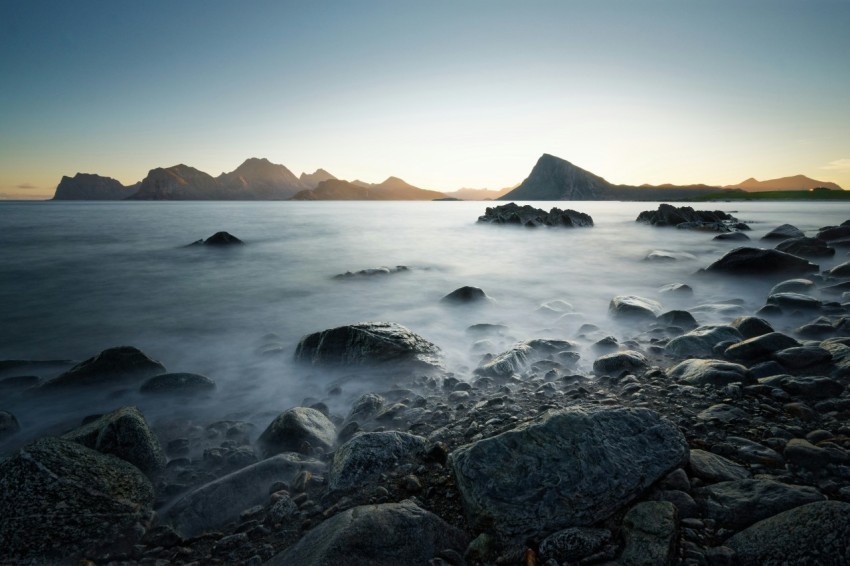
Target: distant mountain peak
x=312, y=180
x=792, y=183
x=554, y=178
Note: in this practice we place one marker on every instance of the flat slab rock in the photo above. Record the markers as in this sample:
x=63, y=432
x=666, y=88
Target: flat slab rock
x=759, y=261
x=565, y=468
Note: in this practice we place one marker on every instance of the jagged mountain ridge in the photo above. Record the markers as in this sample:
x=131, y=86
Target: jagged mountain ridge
x=88, y=186
x=391, y=189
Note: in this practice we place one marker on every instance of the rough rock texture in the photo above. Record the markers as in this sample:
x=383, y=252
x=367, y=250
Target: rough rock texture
x=784, y=232
x=381, y=535
x=9, y=425
x=709, y=372
x=629, y=307
x=465, y=295
x=115, y=366
x=61, y=501
x=700, y=342
x=751, y=326
x=123, y=433
x=758, y=261
x=178, y=384
x=754, y=349
x=740, y=503
x=86, y=186
x=220, y=501
x=520, y=357
x=368, y=455
x=526, y=215
x=368, y=343
x=806, y=247
x=817, y=533
x=619, y=362
x=565, y=468
x=650, y=530
x=669, y=215
x=292, y=428
x=715, y=468
x=574, y=543
x=680, y=319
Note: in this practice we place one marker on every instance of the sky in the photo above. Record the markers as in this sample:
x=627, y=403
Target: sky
x=444, y=94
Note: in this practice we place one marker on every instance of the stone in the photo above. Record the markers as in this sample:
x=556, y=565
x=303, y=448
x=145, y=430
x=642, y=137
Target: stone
x=466, y=295
x=783, y=233
x=9, y=425
x=61, y=502
x=650, y=530
x=178, y=384
x=834, y=233
x=811, y=387
x=754, y=453
x=806, y=247
x=751, y=326
x=740, y=503
x=700, y=342
x=368, y=343
x=220, y=501
x=372, y=272
x=714, y=468
x=629, y=307
x=668, y=215
x=817, y=533
x=116, y=366
x=759, y=261
x=841, y=271
x=722, y=412
x=568, y=468
x=678, y=318
x=368, y=455
x=801, y=453
x=665, y=256
x=123, y=433
x=292, y=428
x=676, y=289
x=793, y=286
x=732, y=236
x=223, y=239
x=522, y=356
x=760, y=347
x=573, y=544
x=618, y=362
x=802, y=356
x=789, y=301
x=716, y=373
x=283, y=510
x=380, y=535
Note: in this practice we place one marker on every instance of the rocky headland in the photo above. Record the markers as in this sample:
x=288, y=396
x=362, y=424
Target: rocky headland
x=653, y=440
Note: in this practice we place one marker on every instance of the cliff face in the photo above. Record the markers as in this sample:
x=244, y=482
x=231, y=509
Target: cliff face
x=312, y=180
x=261, y=179
x=180, y=182
x=553, y=178
x=85, y=186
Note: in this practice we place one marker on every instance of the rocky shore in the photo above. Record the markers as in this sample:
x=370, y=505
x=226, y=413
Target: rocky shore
x=655, y=440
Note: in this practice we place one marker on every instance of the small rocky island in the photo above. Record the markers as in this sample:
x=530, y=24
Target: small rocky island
x=663, y=442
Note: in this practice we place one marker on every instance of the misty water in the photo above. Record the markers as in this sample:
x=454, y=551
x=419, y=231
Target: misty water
x=78, y=278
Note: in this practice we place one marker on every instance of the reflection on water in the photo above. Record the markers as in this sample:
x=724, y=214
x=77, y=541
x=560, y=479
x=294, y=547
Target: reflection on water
x=82, y=277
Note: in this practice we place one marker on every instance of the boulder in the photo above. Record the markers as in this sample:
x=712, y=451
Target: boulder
x=292, y=428
x=368, y=343
x=803, y=356
x=751, y=326
x=669, y=215
x=650, y=530
x=678, y=318
x=723, y=413
x=793, y=286
x=665, y=256
x=809, y=387
x=123, y=365
x=574, y=544
x=380, y=535
x=759, y=261
x=629, y=307
x=740, y=503
x=61, y=502
x=732, y=236
x=178, y=384
x=834, y=233
x=9, y=425
x=123, y=433
x=216, y=503
x=223, y=239
x=465, y=295
x=841, y=271
x=817, y=533
x=372, y=272
x=784, y=232
x=714, y=468
x=806, y=247
x=519, y=358
x=368, y=455
x=753, y=452
x=760, y=347
x=568, y=468
x=618, y=362
x=701, y=341
x=794, y=301
x=716, y=373
x=676, y=289
x=526, y=215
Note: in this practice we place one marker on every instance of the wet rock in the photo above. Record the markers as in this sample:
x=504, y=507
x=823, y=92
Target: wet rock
x=732, y=236
x=61, y=501
x=714, y=468
x=283, y=510
x=381, y=535
x=526, y=215
x=650, y=530
x=751, y=326
x=665, y=256
x=372, y=272
x=793, y=286
x=834, y=233
x=292, y=428
x=723, y=412
x=520, y=357
x=842, y=270
x=739, y=504
x=368, y=455
x=628, y=307
x=678, y=318
x=812, y=387
x=817, y=533
x=115, y=366
x=178, y=384
x=753, y=452
x=759, y=261
x=806, y=247
x=700, y=342
x=9, y=425
x=791, y=301
x=801, y=453
x=465, y=295
x=565, y=468
x=368, y=343
x=784, y=232
x=123, y=433
x=676, y=289
x=668, y=215
x=619, y=362
x=760, y=347
x=222, y=500
x=223, y=239
x=803, y=356
x=573, y=544
x=716, y=373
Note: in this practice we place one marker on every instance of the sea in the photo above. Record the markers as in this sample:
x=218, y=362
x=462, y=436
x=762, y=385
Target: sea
x=80, y=277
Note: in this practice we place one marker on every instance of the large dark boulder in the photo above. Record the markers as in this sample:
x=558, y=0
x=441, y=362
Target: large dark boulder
x=834, y=233
x=526, y=215
x=178, y=384
x=716, y=373
x=700, y=342
x=223, y=239
x=120, y=366
x=784, y=232
x=630, y=307
x=522, y=356
x=61, y=501
x=760, y=347
x=669, y=215
x=9, y=425
x=380, y=535
x=465, y=295
x=123, y=433
x=806, y=247
x=292, y=428
x=566, y=468
x=759, y=261
x=740, y=503
x=368, y=455
x=368, y=343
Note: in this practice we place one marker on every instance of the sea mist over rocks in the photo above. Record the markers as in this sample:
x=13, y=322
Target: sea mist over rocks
x=83, y=277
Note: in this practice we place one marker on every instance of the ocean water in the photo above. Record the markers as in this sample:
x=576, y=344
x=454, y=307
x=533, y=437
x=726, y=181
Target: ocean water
x=80, y=277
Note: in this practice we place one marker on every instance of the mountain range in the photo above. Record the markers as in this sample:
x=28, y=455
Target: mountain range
x=551, y=178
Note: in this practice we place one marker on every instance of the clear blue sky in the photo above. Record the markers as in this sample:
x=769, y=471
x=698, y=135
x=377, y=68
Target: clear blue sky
x=445, y=94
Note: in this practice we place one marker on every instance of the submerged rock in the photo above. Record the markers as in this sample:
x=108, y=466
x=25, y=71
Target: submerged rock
x=784, y=232
x=630, y=307
x=526, y=215
x=368, y=343
x=619, y=362
x=522, y=356
x=709, y=372
x=292, y=428
x=700, y=342
x=220, y=239
x=115, y=366
x=372, y=272
x=733, y=236
x=178, y=383
x=566, y=468
x=760, y=347
x=806, y=247
x=759, y=261
x=669, y=215
x=465, y=295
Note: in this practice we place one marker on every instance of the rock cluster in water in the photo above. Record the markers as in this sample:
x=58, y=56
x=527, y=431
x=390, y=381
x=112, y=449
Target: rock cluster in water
x=526, y=215
x=674, y=443
x=686, y=218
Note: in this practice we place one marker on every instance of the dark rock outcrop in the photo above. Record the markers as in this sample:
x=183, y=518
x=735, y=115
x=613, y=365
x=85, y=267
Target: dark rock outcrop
x=291, y=429
x=465, y=295
x=527, y=215
x=806, y=247
x=116, y=366
x=740, y=503
x=368, y=455
x=520, y=357
x=669, y=215
x=223, y=239
x=553, y=178
x=759, y=261
x=178, y=384
x=784, y=232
